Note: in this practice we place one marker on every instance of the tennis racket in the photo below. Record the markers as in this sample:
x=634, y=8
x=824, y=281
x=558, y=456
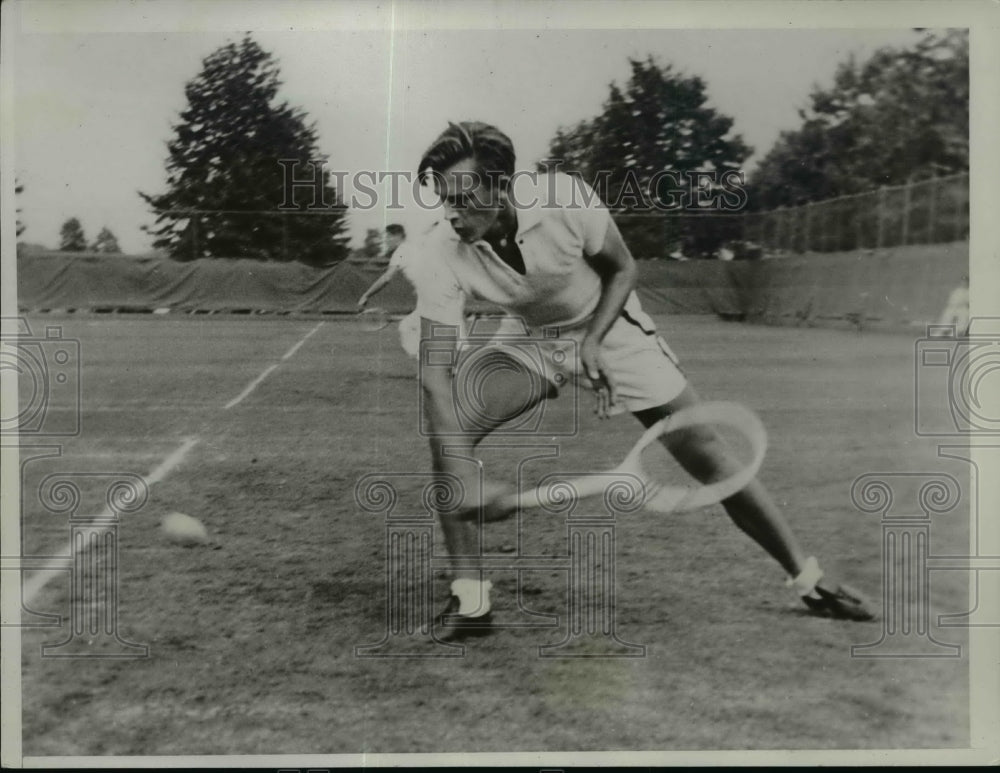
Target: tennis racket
x=374, y=319
x=657, y=494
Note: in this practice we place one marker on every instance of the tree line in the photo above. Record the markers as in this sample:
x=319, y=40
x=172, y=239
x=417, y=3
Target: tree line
x=73, y=239
x=900, y=115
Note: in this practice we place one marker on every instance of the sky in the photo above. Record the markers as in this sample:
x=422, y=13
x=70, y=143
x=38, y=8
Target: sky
x=96, y=96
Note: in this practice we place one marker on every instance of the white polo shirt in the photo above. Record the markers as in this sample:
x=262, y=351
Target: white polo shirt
x=401, y=259
x=559, y=221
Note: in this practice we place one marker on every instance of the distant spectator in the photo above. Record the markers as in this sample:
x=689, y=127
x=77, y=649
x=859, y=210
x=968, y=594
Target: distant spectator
x=957, y=311
x=395, y=235
x=409, y=327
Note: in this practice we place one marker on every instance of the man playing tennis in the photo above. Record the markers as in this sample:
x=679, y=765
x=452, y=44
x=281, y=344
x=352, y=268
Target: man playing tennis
x=542, y=247
x=395, y=234
x=409, y=326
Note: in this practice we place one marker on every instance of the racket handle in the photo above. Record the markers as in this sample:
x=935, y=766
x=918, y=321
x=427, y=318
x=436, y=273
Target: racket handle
x=524, y=500
x=558, y=495
x=499, y=509
x=511, y=502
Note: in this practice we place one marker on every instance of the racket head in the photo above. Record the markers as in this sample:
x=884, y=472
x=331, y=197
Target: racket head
x=374, y=319
x=665, y=497
x=640, y=481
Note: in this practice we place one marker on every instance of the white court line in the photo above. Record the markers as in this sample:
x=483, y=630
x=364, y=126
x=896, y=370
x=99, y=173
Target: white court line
x=250, y=387
x=295, y=348
x=167, y=465
x=268, y=370
x=57, y=566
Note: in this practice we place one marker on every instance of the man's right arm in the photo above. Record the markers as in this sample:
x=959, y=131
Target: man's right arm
x=378, y=284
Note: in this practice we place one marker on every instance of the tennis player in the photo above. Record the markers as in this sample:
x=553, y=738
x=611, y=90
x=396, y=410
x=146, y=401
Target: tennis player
x=544, y=248
x=395, y=234
x=409, y=326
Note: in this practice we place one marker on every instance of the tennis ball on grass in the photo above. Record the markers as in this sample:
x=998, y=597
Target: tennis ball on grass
x=184, y=530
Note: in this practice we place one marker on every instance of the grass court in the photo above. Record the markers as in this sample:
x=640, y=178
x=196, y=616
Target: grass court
x=251, y=637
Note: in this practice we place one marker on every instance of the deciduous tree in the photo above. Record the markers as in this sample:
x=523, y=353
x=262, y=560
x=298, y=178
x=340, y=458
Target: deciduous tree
x=660, y=121
x=106, y=242
x=901, y=115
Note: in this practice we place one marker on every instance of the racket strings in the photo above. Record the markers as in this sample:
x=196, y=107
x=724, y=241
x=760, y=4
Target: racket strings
x=374, y=319
x=645, y=478
x=666, y=484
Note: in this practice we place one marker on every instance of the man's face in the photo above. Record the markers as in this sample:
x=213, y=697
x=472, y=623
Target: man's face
x=392, y=241
x=471, y=203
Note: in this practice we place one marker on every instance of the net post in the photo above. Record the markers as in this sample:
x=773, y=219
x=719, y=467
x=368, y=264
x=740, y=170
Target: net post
x=859, y=234
x=806, y=222
x=284, y=235
x=907, y=198
x=880, y=213
x=932, y=209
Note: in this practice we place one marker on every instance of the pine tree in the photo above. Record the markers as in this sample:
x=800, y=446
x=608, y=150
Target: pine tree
x=106, y=242
x=235, y=147
x=71, y=237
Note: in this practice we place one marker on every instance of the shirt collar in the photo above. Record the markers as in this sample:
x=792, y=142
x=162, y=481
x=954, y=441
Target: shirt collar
x=528, y=197
x=529, y=194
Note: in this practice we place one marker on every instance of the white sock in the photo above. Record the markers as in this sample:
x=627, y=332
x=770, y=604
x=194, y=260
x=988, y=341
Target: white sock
x=805, y=583
x=473, y=596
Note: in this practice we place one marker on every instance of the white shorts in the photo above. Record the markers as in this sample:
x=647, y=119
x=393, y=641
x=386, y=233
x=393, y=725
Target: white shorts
x=644, y=370
x=409, y=334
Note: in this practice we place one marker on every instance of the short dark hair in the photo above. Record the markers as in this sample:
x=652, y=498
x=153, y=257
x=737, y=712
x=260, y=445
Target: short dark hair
x=489, y=147
x=395, y=229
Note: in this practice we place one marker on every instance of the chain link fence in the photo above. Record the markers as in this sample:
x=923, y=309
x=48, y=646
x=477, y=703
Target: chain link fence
x=930, y=211
x=678, y=234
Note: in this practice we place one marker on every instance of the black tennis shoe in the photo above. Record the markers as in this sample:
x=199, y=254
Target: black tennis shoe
x=840, y=603
x=451, y=626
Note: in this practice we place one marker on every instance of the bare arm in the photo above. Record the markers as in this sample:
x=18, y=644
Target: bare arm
x=617, y=269
x=378, y=284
